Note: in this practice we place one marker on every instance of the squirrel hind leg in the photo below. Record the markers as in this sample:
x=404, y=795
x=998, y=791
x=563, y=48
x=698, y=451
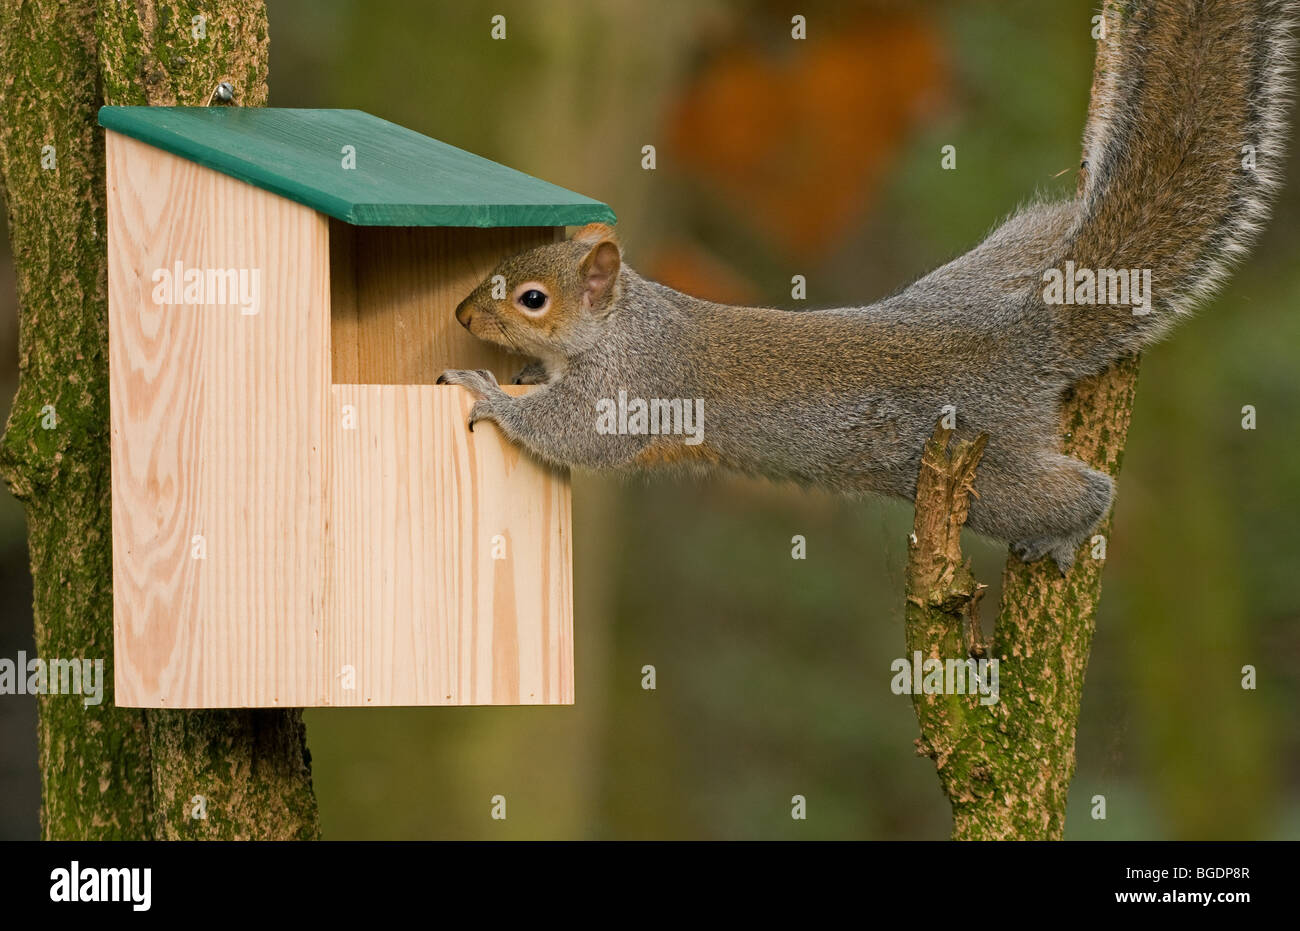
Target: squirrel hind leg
x=1046, y=506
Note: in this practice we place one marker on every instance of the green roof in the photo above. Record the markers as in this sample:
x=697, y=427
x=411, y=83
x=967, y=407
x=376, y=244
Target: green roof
x=401, y=177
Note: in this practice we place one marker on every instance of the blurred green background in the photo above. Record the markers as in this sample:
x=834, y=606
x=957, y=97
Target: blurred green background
x=822, y=158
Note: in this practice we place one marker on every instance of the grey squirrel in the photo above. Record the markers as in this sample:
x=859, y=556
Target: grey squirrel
x=1181, y=154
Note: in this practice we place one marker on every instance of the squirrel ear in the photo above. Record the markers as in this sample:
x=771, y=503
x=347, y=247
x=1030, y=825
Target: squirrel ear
x=595, y=232
x=598, y=272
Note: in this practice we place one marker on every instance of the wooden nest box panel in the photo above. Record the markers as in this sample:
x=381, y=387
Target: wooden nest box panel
x=300, y=516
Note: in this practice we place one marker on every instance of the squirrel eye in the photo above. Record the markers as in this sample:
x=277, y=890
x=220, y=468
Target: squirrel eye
x=533, y=299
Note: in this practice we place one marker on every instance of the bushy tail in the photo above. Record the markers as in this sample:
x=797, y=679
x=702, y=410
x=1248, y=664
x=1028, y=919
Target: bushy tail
x=1183, y=151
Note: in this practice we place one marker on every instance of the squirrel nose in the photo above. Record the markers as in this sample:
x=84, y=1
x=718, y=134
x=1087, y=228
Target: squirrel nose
x=464, y=313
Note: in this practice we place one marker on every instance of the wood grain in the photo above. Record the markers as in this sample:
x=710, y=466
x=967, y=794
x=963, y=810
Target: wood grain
x=420, y=606
x=218, y=431
x=345, y=563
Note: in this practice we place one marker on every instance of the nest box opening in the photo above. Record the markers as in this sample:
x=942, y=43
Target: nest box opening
x=300, y=515
x=393, y=295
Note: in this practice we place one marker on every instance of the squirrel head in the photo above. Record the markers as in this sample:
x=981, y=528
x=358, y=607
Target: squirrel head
x=550, y=301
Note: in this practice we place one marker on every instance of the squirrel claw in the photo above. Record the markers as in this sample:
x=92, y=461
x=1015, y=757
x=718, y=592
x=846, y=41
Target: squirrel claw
x=478, y=382
x=482, y=410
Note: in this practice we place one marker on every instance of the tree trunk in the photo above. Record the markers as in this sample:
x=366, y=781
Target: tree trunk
x=108, y=772
x=1006, y=767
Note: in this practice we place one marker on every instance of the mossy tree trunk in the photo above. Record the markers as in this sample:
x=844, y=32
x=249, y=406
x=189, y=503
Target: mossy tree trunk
x=108, y=772
x=1006, y=767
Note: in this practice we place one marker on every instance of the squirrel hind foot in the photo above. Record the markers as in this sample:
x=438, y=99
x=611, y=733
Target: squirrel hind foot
x=1062, y=551
x=1050, y=511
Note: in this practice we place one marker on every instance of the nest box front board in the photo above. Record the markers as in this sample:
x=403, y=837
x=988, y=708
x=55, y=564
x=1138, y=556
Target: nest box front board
x=300, y=516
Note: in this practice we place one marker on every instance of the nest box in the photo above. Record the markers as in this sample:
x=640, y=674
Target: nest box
x=300, y=516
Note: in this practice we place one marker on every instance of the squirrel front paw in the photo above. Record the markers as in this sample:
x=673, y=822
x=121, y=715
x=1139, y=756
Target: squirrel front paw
x=487, y=409
x=482, y=384
x=479, y=382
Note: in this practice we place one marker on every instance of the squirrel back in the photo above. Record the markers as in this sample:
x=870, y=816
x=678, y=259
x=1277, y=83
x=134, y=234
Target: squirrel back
x=1181, y=156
